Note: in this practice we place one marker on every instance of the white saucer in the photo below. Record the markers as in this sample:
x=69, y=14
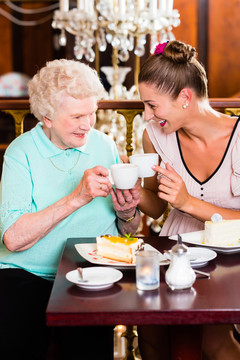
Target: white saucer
x=98, y=277
x=198, y=256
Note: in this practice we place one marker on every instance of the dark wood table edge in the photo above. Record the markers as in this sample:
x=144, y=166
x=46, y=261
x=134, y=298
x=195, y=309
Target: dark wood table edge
x=151, y=318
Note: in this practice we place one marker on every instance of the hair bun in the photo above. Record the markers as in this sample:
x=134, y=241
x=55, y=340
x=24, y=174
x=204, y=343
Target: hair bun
x=179, y=52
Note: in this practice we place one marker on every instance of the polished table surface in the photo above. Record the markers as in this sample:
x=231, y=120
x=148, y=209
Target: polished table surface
x=210, y=301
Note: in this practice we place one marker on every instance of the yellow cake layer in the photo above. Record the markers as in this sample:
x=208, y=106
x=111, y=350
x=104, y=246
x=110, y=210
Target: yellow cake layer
x=121, y=240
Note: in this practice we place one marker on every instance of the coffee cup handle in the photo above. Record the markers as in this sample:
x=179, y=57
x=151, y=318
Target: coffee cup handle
x=110, y=177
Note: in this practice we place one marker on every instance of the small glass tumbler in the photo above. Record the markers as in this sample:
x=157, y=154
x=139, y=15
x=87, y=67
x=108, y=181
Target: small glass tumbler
x=147, y=270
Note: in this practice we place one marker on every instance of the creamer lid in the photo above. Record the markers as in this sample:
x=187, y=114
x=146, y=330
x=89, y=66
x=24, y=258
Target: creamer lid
x=179, y=248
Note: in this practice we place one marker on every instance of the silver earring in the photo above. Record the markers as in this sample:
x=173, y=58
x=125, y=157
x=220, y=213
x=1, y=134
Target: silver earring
x=185, y=105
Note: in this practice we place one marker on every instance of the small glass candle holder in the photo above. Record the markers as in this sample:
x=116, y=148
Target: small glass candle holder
x=147, y=270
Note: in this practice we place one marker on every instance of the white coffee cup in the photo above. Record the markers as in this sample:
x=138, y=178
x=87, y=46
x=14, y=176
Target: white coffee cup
x=145, y=163
x=123, y=176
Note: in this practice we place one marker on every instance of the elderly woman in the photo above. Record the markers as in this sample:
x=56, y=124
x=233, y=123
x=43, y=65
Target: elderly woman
x=54, y=186
x=198, y=148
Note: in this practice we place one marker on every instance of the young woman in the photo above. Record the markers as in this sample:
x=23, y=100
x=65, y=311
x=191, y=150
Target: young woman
x=199, y=149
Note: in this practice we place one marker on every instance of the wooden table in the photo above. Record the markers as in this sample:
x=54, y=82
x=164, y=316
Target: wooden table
x=211, y=301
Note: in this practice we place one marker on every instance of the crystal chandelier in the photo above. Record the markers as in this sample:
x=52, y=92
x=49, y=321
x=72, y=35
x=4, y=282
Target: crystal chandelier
x=122, y=23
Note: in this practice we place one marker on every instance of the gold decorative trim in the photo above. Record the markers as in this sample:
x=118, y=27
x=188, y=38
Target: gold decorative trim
x=130, y=334
x=18, y=116
x=232, y=111
x=129, y=116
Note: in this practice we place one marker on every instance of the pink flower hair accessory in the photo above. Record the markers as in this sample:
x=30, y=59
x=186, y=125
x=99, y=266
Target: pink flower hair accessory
x=159, y=49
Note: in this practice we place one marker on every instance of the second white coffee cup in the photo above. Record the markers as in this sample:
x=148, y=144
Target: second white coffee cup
x=123, y=176
x=145, y=163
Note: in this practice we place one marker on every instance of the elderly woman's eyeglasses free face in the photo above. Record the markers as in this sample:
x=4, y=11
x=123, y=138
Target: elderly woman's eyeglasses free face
x=71, y=123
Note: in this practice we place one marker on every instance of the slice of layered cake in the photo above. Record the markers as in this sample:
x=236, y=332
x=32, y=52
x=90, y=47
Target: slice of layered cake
x=221, y=232
x=119, y=248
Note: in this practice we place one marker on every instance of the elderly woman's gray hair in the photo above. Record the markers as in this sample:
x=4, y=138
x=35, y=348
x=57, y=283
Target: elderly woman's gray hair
x=61, y=76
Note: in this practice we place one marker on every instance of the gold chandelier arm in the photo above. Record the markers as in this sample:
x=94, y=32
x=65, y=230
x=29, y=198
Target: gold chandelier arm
x=136, y=70
x=115, y=74
x=97, y=59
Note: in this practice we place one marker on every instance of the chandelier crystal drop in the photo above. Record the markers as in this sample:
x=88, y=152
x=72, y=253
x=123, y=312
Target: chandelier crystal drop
x=124, y=24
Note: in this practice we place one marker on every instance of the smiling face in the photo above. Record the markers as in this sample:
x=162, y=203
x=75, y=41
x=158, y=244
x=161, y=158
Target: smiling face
x=161, y=108
x=72, y=122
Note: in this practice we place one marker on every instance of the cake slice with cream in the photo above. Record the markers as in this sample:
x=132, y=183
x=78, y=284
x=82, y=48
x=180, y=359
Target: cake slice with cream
x=221, y=232
x=119, y=248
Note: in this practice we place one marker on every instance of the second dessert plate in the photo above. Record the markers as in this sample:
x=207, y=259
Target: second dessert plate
x=198, y=256
x=197, y=238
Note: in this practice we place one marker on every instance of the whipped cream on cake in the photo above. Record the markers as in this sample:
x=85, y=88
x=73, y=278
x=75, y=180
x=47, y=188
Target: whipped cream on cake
x=221, y=232
x=119, y=248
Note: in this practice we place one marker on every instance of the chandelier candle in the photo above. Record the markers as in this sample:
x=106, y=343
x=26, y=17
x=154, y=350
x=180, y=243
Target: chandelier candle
x=169, y=7
x=64, y=5
x=80, y=4
x=162, y=6
x=141, y=5
x=153, y=7
x=121, y=8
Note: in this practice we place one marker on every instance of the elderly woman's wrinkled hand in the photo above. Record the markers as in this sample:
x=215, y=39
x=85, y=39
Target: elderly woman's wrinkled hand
x=94, y=183
x=126, y=201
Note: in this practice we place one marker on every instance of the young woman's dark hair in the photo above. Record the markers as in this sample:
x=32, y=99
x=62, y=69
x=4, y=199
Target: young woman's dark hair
x=174, y=69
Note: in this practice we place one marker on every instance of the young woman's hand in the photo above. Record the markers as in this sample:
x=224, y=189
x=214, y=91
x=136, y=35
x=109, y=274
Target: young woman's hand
x=172, y=187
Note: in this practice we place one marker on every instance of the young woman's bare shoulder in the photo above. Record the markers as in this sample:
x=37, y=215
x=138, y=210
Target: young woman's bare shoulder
x=147, y=144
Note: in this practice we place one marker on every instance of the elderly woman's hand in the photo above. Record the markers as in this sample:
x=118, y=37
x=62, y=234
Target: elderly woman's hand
x=126, y=201
x=94, y=183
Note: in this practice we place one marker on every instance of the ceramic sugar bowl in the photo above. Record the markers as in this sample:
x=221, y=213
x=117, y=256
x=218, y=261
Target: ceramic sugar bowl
x=180, y=275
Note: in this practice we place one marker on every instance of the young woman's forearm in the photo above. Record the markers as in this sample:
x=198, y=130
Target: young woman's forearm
x=203, y=210
x=150, y=204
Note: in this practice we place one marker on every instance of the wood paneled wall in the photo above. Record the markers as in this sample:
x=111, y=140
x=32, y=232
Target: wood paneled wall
x=209, y=25
x=6, y=64
x=26, y=48
x=224, y=47
x=187, y=31
x=36, y=42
